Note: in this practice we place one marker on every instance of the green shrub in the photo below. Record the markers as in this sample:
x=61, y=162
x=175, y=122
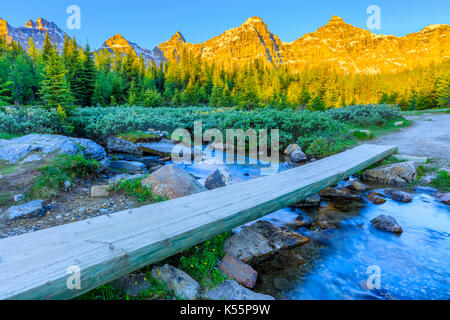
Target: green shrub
x=320, y=147
x=135, y=189
x=64, y=168
x=200, y=262
x=442, y=181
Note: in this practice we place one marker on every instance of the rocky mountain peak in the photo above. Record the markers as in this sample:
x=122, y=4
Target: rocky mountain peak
x=30, y=24
x=178, y=37
x=335, y=20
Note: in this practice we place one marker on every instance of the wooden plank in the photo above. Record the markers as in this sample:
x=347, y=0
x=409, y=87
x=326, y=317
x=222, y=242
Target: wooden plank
x=34, y=265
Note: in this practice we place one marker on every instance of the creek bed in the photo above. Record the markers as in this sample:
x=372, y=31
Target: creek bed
x=338, y=261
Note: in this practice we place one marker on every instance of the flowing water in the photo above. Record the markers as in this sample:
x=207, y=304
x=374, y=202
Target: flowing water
x=341, y=262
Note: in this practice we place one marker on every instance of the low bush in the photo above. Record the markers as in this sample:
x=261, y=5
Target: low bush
x=64, y=168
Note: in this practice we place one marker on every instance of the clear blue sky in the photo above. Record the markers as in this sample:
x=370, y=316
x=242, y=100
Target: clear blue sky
x=150, y=22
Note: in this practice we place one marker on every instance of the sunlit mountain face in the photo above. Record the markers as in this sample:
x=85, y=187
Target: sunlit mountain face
x=337, y=46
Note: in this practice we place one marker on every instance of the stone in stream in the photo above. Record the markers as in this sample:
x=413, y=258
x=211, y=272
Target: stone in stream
x=354, y=185
x=261, y=240
x=221, y=177
x=172, y=182
x=100, y=191
x=132, y=284
x=231, y=290
x=31, y=209
x=234, y=268
x=312, y=201
x=375, y=198
x=398, y=195
x=15, y=149
x=386, y=223
x=177, y=281
x=393, y=174
x=298, y=156
x=334, y=194
x=444, y=198
x=129, y=166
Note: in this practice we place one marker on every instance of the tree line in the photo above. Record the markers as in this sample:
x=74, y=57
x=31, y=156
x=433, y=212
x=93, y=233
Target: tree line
x=79, y=77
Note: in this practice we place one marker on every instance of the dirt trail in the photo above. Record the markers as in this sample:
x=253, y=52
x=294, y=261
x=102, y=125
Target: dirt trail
x=428, y=136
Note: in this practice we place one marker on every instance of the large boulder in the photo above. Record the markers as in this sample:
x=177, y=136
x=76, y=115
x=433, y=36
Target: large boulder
x=114, y=144
x=172, y=182
x=15, y=149
x=231, y=290
x=260, y=241
x=218, y=179
x=178, y=281
x=387, y=224
x=392, y=174
x=31, y=209
x=241, y=272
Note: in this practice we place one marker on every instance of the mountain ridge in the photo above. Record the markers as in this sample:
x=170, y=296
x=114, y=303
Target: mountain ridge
x=336, y=46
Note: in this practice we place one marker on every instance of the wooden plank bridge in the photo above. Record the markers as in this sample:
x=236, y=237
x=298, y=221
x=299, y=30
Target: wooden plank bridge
x=35, y=265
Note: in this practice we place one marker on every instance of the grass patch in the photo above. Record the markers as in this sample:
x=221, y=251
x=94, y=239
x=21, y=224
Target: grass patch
x=156, y=290
x=135, y=189
x=8, y=136
x=442, y=181
x=5, y=198
x=139, y=136
x=200, y=262
x=63, y=168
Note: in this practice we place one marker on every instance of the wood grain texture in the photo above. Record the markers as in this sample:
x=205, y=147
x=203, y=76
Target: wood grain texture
x=34, y=265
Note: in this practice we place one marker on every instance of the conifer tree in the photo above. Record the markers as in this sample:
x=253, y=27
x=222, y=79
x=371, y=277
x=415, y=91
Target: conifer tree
x=55, y=89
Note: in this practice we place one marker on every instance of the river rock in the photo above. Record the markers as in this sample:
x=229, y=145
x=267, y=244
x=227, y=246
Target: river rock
x=444, y=198
x=387, y=223
x=231, y=290
x=291, y=148
x=15, y=149
x=393, y=174
x=334, y=194
x=19, y=197
x=298, y=156
x=172, y=182
x=178, y=281
x=114, y=144
x=162, y=148
x=260, y=241
x=234, y=268
x=279, y=238
x=132, y=284
x=130, y=166
x=354, y=185
x=219, y=178
x=375, y=198
x=30, y=209
x=100, y=191
x=398, y=195
x=312, y=201
x=248, y=246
